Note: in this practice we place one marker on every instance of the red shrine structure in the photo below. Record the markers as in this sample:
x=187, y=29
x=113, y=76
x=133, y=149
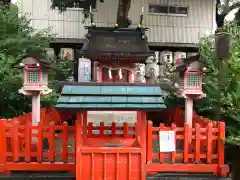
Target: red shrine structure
x=111, y=79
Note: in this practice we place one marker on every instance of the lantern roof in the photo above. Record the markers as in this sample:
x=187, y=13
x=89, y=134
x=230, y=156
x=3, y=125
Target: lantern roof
x=34, y=59
x=110, y=43
x=193, y=63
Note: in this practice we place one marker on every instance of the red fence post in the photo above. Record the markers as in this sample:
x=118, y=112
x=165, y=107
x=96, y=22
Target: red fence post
x=161, y=157
x=15, y=140
x=209, y=142
x=28, y=142
x=175, y=139
x=78, y=144
x=3, y=142
x=149, y=142
x=186, y=143
x=197, y=143
x=40, y=142
x=52, y=142
x=221, y=139
x=65, y=142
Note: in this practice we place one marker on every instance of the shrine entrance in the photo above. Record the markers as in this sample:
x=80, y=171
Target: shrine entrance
x=109, y=150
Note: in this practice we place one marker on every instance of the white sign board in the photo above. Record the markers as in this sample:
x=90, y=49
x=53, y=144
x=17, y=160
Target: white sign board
x=167, y=141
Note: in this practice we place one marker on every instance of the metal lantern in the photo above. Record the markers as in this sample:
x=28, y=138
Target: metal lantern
x=222, y=44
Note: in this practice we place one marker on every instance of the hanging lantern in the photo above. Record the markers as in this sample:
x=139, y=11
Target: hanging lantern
x=222, y=45
x=150, y=59
x=84, y=70
x=140, y=72
x=166, y=57
x=67, y=54
x=179, y=56
x=152, y=70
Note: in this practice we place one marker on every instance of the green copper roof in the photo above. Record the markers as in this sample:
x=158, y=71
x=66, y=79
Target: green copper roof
x=111, y=97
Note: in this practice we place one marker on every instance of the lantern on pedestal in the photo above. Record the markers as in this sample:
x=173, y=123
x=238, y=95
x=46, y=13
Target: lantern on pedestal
x=190, y=83
x=35, y=82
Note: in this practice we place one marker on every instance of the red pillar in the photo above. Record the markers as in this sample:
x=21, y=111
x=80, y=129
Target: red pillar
x=78, y=145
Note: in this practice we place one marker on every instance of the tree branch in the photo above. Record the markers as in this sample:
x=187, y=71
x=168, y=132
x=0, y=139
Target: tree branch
x=227, y=8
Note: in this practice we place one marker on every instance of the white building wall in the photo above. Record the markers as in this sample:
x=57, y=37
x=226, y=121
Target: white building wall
x=162, y=28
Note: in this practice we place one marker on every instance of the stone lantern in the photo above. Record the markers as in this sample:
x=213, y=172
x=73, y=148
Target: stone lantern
x=190, y=83
x=35, y=82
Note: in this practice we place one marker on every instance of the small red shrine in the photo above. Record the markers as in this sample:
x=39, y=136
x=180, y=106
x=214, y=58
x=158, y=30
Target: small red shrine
x=115, y=71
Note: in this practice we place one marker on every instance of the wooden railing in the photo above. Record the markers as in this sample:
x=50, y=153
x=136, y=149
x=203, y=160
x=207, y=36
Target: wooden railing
x=112, y=130
x=36, y=148
x=52, y=147
x=197, y=149
x=47, y=148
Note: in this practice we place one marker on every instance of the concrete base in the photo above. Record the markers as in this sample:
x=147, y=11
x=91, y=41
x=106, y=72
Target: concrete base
x=176, y=176
x=66, y=176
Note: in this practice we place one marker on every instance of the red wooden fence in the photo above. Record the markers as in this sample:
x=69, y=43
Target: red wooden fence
x=23, y=145
x=18, y=152
x=205, y=153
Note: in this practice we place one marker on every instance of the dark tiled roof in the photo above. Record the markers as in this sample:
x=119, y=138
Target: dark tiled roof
x=121, y=42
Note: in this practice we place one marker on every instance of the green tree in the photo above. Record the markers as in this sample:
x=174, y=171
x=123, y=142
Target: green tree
x=229, y=86
x=17, y=38
x=122, y=12
x=224, y=7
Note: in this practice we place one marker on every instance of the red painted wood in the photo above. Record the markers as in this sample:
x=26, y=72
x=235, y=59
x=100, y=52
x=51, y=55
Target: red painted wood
x=79, y=160
x=149, y=142
x=209, y=143
x=95, y=155
x=40, y=143
x=186, y=141
x=28, y=142
x=65, y=142
x=197, y=143
x=3, y=142
x=174, y=153
x=15, y=141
